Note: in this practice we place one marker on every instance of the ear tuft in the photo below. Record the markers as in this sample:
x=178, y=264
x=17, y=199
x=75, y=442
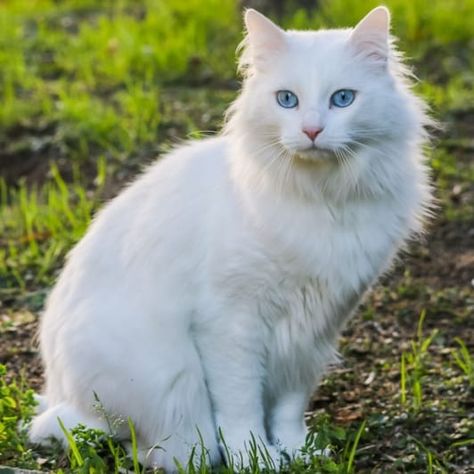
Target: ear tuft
x=371, y=35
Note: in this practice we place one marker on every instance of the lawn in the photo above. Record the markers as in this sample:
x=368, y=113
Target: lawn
x=90, y=92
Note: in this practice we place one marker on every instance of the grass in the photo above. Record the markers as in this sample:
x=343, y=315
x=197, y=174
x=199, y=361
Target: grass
x=16, y=405
x=464, y=360
x=92, y=91
x=413, y=366
x=40, y=225
x=93, y=451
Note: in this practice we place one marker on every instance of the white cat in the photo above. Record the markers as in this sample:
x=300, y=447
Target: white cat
x=210, y=293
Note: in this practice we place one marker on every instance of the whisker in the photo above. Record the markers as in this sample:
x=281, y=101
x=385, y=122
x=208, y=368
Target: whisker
x=346, y=167
x=372, y=148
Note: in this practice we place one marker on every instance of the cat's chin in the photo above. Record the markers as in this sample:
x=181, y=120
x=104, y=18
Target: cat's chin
x=314, y=154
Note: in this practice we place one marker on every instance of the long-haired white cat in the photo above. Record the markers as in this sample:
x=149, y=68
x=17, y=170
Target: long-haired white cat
x=209, y=295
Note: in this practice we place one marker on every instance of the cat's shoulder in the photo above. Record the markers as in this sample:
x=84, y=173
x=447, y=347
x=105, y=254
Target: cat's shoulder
x=193, y=157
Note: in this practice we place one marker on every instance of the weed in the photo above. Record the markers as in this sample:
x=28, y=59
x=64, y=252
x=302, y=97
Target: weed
x=94, y=452
x=464, y=360
x=413, y=366
x=17, y=406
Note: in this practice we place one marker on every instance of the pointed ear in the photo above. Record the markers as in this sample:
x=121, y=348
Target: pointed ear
x=371, y=35
x=263, y=36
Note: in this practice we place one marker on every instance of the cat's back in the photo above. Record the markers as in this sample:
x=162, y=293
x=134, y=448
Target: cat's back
x=158, y=222
x=188, y=171
x=172, y=192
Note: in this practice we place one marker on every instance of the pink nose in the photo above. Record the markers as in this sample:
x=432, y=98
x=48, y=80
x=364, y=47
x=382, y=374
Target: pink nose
x=312, y=132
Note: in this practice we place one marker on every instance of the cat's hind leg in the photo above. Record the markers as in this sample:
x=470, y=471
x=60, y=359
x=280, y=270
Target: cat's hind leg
x=232, y=352
x=174, y=422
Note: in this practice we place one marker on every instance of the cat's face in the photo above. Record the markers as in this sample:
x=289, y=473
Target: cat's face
x=324, y=93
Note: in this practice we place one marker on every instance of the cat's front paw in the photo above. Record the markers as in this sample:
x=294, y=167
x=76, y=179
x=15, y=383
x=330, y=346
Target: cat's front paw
x=250, y=452
x=298, y=446
x=290, y=440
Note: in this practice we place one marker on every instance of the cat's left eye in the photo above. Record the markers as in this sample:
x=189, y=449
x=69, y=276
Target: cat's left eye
x=343, y=98
x=287, y=99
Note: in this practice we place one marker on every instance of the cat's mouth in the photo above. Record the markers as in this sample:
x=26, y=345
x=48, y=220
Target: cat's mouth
x=314, y=153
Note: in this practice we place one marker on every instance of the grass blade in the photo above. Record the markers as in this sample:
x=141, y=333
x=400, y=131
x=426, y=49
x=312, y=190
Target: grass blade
x=133, y=436
x=352, y=453
x=72, y=444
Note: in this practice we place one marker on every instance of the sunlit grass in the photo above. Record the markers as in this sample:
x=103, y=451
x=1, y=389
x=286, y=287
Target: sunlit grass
x=103, y=50
x=38, y=226
x=419, y=23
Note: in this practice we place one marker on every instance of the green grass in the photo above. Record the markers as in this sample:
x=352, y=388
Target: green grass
x=93, y=451
x=17, y=404
x=38, y=226
x=93, y=73
x=413, y=367
x=91, y=91
x=464, y=360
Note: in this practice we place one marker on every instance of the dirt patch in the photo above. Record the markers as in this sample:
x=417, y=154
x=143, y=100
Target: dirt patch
x=19, y=349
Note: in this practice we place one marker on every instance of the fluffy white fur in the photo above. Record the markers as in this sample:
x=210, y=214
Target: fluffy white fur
x=211, y=292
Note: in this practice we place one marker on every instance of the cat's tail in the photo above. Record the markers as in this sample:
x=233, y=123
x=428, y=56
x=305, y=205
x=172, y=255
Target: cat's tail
x=45, y=425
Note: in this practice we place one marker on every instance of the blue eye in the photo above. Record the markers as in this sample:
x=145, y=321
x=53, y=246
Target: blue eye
x=287, y=99
x=343, y=98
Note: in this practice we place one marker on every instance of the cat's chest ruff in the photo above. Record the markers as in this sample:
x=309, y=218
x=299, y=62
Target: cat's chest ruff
x=335, y=246
x=321, y=269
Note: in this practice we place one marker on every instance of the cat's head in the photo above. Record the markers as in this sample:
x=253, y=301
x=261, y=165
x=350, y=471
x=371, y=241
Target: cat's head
x=322, y=96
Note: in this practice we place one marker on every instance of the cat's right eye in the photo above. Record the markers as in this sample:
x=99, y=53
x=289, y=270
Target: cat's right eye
x=343, y=98
x=287, y=99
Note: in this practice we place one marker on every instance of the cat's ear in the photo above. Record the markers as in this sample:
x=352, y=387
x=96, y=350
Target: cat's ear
x=264, y=38
x=371, y=36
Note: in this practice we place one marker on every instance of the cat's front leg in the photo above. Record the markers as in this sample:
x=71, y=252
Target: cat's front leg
x=286, y=421
x=232, y=354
